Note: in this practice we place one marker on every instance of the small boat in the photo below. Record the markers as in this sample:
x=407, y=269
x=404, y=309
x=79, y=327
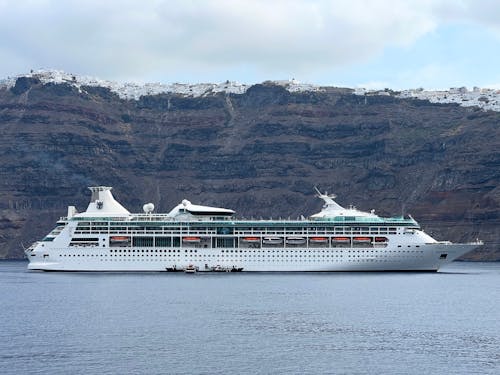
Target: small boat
x=219, y=268
x=174, y=269
x=341, y=239
x=272, y=240
x=190, y=269
x=362, y=239
x=191, y=239
x=250, y=239
x=318, y=239
x=119, y=239
x=295, y=240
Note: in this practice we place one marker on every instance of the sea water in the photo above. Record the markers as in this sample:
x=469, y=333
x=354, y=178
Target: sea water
x=250, y=323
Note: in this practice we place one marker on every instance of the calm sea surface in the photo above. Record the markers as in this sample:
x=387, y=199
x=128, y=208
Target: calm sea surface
x=354, y=323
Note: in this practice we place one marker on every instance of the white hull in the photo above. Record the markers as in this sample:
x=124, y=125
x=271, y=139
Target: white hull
x=107, y=237
x=426, y=258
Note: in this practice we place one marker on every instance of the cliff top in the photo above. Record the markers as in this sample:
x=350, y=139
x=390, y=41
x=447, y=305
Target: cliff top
x=484, y=98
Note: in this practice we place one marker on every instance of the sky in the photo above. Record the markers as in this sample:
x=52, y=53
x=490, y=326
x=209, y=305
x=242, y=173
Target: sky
x=397, y=44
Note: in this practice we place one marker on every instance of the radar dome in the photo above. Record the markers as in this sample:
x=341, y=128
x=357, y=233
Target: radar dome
x=185, y=202
x=148, y=208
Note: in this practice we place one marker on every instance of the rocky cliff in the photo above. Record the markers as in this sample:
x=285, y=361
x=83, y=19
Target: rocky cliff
x=259, y=152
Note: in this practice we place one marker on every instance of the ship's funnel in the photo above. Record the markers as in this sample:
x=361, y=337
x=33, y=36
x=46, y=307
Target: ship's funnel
x=102, y=203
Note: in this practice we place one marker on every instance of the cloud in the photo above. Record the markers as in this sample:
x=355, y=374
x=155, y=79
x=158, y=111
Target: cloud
x=125, y=39
x=481, y=12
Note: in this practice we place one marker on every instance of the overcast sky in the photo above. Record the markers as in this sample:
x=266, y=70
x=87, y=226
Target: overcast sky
x=368, y=43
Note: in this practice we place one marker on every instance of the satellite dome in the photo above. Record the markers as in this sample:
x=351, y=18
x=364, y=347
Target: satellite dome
x=185, y=202
x=148, y=208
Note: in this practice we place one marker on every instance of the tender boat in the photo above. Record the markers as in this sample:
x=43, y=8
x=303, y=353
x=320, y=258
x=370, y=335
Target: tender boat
x=272, y=240
x=362, y=239
x=341, y=240
x=220, y=268
x=251, y=239
x=319, y=240
x=295, y=240
x=174, y=269
x=191, y=239
x=119, y=239
x=191, y=269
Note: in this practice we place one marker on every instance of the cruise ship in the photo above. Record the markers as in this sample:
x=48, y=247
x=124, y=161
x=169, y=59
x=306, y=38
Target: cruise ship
x=196, y=238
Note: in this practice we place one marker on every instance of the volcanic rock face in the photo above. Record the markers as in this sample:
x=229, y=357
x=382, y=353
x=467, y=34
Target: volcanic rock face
x=260, y=153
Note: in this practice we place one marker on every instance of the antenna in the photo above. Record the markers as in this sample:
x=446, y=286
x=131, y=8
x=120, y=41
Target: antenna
x=323, y=196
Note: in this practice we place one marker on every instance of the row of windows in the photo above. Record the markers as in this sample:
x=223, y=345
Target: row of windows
x=230, y=230
x=251, y=259
x=264, y=260
x=116, y=251
x=222, y=228
x=249, y=253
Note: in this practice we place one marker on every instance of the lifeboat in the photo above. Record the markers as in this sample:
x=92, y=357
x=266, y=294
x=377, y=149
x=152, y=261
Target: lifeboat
x=362, y=239
x=119, y=239
x=295, y=240
x=191, y=239
x=318, y=239
x=380, y=239
x=341, y=239
x=191, y=269
x=272, y=240
x=251, y=239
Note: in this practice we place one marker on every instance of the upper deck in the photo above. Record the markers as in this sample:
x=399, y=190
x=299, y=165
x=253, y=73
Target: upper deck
x=104, y=209
x=162, y=219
